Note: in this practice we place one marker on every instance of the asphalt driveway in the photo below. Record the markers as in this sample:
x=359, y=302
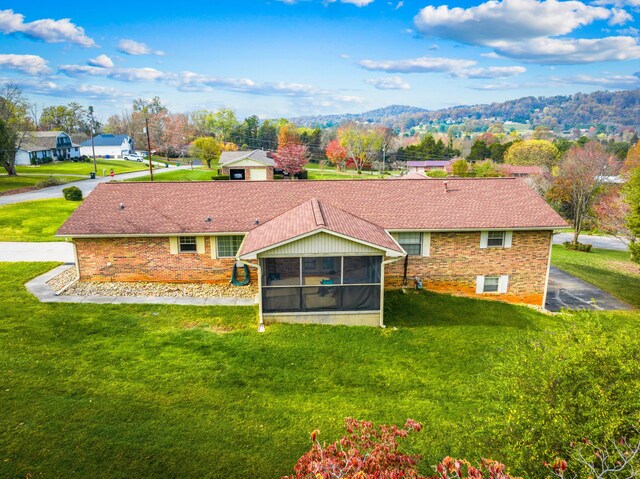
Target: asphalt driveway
x=602, y=242
x=568, y=292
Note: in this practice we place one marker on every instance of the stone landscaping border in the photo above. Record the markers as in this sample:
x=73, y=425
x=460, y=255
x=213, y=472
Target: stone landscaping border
x=45, y=294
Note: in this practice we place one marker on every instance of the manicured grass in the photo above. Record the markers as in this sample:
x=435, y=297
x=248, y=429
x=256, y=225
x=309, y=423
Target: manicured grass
x=168, y=391
x=14, y=182
x=609, y=270
x=34, y=220
x=197, y=174
x=76, y=168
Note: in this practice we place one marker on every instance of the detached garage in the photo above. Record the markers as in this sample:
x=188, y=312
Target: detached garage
x=253, y=165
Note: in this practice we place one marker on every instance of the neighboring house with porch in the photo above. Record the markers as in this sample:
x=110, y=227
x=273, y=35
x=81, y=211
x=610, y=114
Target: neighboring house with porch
x=255, y=165
x=323, y=251
x=37, y=145
x=112, y=146
x=424, y=166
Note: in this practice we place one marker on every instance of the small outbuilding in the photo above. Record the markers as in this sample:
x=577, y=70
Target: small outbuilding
x=255, y=165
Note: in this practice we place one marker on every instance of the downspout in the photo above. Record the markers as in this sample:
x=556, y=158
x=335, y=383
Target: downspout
x=392, y=260
x=259, y=274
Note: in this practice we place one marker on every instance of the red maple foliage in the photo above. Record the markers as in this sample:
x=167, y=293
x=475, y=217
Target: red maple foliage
x=451, y=468
x=336, y=154
x=291, y=158
x=366, y=452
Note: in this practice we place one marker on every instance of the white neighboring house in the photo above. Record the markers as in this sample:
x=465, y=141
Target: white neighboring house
x=56, y=145
x=112, y=146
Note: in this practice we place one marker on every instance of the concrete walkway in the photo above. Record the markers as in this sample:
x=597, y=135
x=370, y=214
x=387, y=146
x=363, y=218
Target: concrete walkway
x=568, y=292
x=45, y=293
x=86, y=186
x=52, y=251
x=602, y=242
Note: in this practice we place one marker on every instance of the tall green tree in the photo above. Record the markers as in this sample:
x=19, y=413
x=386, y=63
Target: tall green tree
x=631, y=192
x=221, y=123
x=532, y=152
x=207, y=149
x=479, y=151
x=14, y=125
x=71, y=118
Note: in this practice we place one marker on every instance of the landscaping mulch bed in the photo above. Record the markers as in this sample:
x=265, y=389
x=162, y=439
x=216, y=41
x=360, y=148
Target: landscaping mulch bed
x=176, y=290
x=24, y=189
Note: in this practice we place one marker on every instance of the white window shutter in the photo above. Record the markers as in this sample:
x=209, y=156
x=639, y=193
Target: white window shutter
x=173, y=245
x=200, y=244
x=503, y=283
x=214, y=248
x=426, y=244
x=479, y=284
x=508, y=237
x=484, y=239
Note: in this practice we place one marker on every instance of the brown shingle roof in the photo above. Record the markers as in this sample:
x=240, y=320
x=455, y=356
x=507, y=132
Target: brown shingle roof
x=260, y=156
x=234, y=206
x=313, y=215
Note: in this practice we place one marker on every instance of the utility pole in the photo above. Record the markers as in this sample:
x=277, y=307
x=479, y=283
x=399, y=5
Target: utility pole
x=146, y=121
x=93, y=146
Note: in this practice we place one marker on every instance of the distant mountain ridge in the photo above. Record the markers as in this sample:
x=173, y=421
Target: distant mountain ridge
x=617, y=108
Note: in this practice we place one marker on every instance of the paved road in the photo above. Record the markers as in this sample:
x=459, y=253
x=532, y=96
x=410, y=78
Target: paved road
x=86, y=186
x=568, y=292
x=53, y=251
x=603, y=242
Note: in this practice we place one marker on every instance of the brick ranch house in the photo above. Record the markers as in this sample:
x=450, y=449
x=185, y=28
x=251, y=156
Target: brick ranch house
x=322, y=251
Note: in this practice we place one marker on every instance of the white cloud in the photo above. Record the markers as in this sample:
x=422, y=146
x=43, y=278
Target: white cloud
x=132, y=47
x=489, y=72
x=47, y=29
x=454, y=67
x=529, y=29
x=30, y=64
x=571, y=51
x=619, y=17
x=509, y=20
x=102, y=61
x=122, y=74
x=417, y=65
x=608, y=81
x=50, y=88
x=389, y=83
x=619, y=3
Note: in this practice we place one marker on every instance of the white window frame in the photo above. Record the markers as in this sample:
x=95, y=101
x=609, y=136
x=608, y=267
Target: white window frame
x=425, y=241
x=194, y=243
x=503, y=284
x=506, y=241
x=216, y=239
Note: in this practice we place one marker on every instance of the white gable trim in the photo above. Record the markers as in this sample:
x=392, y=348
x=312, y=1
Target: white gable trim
x=388, y=252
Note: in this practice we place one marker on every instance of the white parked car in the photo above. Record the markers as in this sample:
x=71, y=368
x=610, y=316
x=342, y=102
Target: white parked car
x=133, y=157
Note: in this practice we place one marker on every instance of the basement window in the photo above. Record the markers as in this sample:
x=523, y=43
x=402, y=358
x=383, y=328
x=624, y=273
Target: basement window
x=491, y=284
x=188, y=244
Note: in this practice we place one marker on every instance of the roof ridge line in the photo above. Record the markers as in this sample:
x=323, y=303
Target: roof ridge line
x=316, y=208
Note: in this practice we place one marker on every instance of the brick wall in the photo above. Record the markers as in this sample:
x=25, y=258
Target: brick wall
x=149, y=259
x=456, y=259
x=247, y=171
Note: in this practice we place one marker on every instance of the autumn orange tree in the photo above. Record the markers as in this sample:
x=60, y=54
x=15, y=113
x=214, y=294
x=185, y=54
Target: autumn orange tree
x=336, y=154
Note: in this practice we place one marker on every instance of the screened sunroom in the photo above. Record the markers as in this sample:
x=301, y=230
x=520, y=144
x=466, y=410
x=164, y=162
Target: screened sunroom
x=318, y=264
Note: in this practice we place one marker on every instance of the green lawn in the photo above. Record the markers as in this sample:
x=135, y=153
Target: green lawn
x=14, y=182
x=167, y=391
x=34, y=220
x=197, y=174
x=610, y=270
x=71, y=168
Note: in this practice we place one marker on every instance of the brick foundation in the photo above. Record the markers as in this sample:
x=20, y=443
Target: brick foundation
x=456, y=259
x=149, y=259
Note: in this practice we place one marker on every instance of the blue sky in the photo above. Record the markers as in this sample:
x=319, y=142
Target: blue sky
x=291, y=57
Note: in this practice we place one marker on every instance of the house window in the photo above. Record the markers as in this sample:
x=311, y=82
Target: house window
x=228, y=246
x=187, y=244
x=410, y=242
x=495, y=239
x=491, y=284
